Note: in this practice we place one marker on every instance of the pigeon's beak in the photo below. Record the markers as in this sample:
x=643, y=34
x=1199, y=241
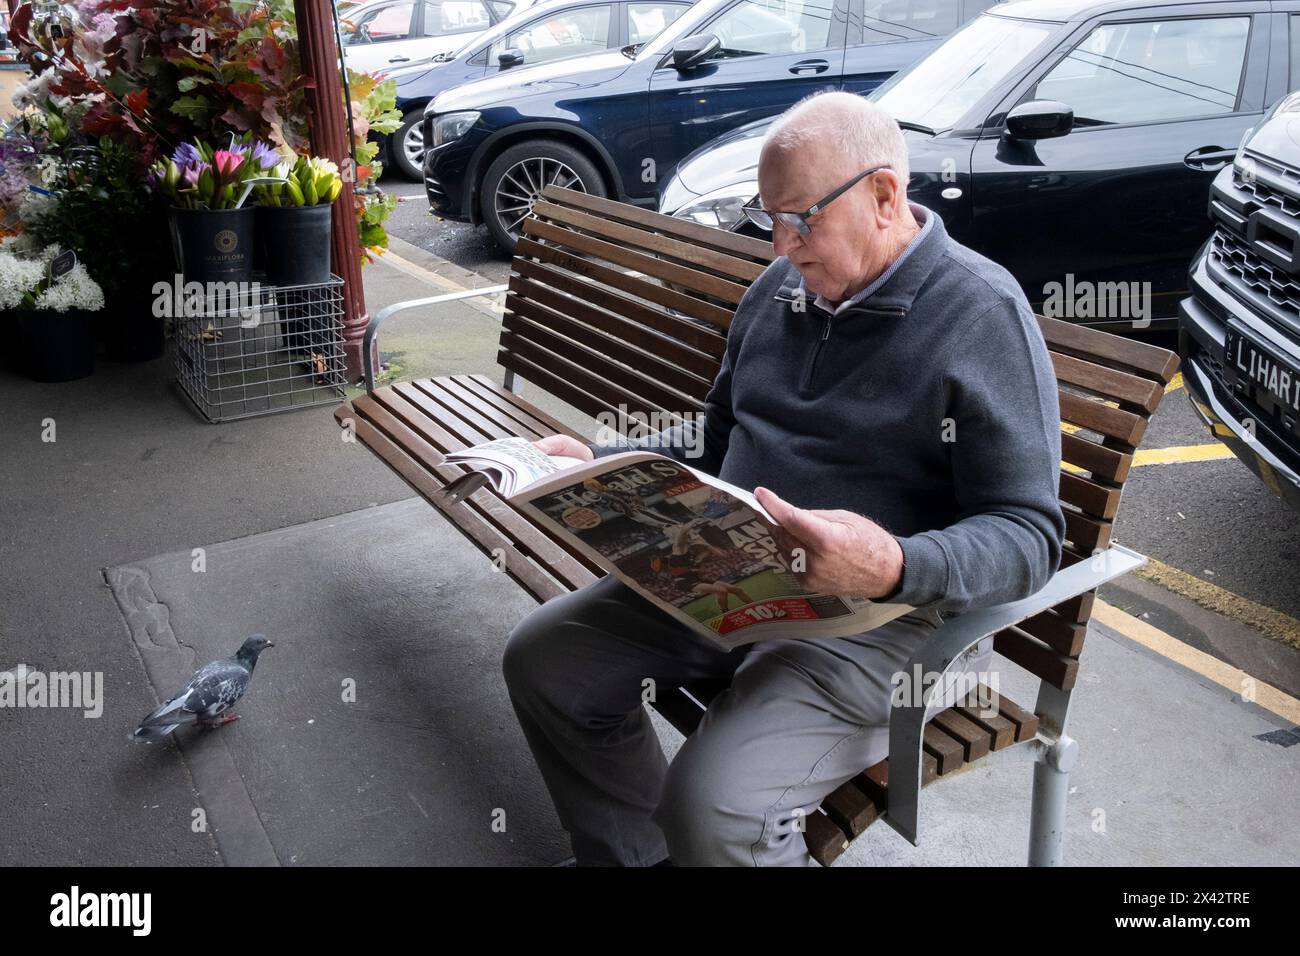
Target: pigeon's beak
x=270, y=644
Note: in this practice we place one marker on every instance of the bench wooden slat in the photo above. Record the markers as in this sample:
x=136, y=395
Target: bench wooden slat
x=974, y=739
x=694, y=232
x=704, y=342
x=393, y=415
x=506, y=423
x=1035, y=656
x=489, y=388
x=534, y=363
x=514, y=417
x=1002, y=732
x=715, y=286
x=472, y=521
x=944, y=749
x=1092, y=497
x=1078, y=608
x=668, y=351
x=850, y=810
x=464, y=420
x=1104, y=462
x=1095, y=416
x=1026, y=724
x=1132, y=390
x=716, y=318
x=542, y=308
x=1061, y=635
x=824, y=839
x=470, y=428
x=1093, y=344
x=561, y=388
x=693, y=255
x=1086, y=533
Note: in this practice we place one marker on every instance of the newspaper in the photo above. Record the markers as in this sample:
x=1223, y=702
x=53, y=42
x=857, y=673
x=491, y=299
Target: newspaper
x=699, y=548
x=511, y=464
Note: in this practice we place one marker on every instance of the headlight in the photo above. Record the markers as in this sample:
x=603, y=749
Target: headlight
x=720, y=208
x=452, y=126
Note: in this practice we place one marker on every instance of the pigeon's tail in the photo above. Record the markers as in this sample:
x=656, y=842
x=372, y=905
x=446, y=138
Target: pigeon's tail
x=150, y=735
x=162, y=721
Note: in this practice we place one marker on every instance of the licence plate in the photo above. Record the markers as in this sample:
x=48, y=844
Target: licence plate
x=1273, y=383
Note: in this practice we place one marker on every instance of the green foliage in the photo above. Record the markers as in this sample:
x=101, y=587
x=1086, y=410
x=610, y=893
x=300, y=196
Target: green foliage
x=103, y=212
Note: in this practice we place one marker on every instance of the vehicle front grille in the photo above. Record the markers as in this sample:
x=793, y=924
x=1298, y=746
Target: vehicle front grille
x=1265, y=194
x=1254, y=280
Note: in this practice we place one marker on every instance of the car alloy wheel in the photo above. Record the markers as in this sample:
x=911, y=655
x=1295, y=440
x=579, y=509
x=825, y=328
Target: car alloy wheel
x=522, y=185
x=413, y=145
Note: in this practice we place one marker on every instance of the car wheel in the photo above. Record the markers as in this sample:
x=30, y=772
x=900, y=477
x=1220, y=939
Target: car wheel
x=516, y=178
x=407, y=146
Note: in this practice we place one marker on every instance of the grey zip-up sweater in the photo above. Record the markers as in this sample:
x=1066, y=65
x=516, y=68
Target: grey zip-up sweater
x=929, y=405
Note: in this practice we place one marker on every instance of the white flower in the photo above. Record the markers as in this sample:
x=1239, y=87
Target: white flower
x=75, y=289
x=18, y=276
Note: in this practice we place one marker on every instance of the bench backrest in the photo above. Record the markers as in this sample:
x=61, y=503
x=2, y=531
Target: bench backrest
x=616, y=309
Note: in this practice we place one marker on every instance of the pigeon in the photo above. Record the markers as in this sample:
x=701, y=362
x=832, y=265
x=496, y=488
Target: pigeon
x=213, y=690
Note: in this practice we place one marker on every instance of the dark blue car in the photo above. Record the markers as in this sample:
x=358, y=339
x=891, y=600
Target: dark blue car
x=539, y=33
x=617, y=123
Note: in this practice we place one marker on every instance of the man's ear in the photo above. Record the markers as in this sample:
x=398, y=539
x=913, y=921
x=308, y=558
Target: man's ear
x=885, y=189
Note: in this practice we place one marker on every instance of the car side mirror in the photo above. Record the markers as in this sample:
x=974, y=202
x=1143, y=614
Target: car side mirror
x=1040, y=119
x=691, y=52
x=510, y=56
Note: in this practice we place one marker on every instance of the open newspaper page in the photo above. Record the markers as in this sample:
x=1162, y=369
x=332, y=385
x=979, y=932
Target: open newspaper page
x=695, y=546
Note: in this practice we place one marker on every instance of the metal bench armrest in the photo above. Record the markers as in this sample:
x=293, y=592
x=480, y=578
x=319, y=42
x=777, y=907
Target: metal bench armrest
x=955, y=637
x=372, y=329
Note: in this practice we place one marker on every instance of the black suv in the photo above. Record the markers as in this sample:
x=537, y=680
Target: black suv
x=1239, y=332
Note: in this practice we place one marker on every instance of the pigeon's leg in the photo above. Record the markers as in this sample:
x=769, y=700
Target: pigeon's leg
x=223, y=719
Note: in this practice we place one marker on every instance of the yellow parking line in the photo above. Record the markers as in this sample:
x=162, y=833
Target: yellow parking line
x=1175, y=455
x=1225, y=675
x=1174, y=383
x=1181, y=453
x=1272, y=624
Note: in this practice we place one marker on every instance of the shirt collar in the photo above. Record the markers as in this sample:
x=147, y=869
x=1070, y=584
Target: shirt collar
x=925, y=218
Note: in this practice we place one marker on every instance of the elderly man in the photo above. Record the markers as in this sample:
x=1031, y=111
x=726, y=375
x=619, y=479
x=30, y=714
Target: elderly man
x=889, y=394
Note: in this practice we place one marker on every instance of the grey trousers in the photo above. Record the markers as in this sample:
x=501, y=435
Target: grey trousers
x=799, y=719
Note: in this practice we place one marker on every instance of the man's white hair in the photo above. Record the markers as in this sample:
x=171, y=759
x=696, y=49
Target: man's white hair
x=858, y=132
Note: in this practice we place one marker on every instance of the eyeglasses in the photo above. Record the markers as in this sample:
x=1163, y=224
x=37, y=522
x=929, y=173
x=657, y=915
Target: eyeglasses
x=798, y=221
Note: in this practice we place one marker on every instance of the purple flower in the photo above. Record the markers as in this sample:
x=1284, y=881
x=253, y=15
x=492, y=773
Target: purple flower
x=191, y=173
x=186, y=156
x=264, y=156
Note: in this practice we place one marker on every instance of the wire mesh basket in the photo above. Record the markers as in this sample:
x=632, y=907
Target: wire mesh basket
x=251, y=349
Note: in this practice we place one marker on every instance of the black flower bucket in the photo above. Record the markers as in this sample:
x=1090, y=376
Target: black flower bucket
x=129, y=327
x=56, y=346
x=295, y=243
x=213, y=245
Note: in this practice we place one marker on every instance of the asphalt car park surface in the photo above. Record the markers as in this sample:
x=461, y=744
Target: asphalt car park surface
x=1225, y=571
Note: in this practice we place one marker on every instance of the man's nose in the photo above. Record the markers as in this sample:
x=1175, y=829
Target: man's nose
x=784, y=239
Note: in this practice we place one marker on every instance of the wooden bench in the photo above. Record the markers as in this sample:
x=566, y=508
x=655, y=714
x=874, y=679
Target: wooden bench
x=612, y=307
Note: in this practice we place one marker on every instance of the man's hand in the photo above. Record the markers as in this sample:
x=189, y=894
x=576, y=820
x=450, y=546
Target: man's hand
x=564, y=446
x=844, y=553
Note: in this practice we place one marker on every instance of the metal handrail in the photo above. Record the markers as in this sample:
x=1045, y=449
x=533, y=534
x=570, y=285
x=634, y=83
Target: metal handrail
x=372, y=329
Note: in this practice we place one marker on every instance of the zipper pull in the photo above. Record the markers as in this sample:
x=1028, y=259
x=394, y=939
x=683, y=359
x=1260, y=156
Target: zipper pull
x=826, y=332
